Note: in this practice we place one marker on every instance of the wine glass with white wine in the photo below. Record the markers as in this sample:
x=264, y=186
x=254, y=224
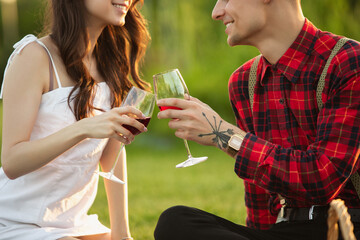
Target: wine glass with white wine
x=170, y=84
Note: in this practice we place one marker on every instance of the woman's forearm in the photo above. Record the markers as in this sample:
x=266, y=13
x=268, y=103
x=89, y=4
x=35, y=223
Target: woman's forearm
x=25, y=157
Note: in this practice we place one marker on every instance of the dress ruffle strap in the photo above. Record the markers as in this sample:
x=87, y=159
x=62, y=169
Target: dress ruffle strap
x=23, y=42
x=19, y=46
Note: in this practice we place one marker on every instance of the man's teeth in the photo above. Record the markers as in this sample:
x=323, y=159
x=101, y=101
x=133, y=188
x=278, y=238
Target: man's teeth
x=228, y=24
x=120, y=6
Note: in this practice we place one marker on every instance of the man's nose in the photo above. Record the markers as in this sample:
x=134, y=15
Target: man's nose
x=219, y=10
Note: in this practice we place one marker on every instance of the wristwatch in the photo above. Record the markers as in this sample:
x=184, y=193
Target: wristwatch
x=234, y=143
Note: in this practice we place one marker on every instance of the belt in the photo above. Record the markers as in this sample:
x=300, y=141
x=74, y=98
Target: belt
x=289, y=214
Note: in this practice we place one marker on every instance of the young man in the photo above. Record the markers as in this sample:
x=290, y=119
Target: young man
x=294, y=155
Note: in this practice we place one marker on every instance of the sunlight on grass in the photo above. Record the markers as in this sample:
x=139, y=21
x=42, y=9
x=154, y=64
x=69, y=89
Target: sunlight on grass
x=155, y=184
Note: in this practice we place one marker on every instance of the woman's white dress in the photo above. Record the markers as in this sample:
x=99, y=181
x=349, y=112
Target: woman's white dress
x=53, y=201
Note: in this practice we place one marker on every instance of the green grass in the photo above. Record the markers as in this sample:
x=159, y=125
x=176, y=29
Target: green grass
x=155, y=184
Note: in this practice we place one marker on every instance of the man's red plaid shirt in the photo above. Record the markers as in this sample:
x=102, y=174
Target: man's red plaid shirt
x=292, y=149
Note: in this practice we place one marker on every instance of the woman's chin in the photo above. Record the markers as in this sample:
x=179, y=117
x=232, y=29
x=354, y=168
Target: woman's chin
x=120, y=23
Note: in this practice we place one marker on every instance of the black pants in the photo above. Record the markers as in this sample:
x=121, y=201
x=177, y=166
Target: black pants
x=185, y=223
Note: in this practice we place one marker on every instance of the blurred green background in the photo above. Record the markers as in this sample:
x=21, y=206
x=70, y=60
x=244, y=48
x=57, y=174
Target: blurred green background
x=185, y=37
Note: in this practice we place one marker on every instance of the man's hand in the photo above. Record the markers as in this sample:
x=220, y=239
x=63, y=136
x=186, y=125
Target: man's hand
x=196, y=121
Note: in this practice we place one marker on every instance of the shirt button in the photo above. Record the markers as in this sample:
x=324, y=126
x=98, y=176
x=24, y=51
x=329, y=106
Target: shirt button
x=281, y=101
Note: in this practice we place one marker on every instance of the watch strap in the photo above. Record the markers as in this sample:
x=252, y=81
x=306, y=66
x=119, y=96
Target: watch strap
x=234, y=150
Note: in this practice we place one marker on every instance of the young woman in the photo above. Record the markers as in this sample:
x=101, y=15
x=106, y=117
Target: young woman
x=61, y=119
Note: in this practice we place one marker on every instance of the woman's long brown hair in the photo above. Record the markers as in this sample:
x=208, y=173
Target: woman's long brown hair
x=118, y=52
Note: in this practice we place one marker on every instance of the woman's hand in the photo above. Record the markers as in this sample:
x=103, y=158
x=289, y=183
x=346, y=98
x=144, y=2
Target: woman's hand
x=195, y=121
x=110, y=124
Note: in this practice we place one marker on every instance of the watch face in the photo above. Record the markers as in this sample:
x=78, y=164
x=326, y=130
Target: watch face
x=235, y=142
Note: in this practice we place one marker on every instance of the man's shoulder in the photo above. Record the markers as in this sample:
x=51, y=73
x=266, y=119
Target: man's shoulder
x=243, y=71
x=327, y=40
x=348, y=58
x=346, y=62
x=352, y=46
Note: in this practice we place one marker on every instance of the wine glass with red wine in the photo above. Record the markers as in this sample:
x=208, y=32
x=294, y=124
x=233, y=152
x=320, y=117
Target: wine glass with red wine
x=170, y=84
x=145, y=102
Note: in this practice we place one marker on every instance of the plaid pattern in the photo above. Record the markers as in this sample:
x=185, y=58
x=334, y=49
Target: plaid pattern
x=292, y=149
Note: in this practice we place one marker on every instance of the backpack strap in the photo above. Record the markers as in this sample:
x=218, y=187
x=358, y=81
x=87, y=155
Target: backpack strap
x=355, y=177
x=252, y=80
x=321, y=82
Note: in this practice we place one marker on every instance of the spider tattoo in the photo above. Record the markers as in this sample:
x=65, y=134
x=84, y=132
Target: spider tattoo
x=221, y=137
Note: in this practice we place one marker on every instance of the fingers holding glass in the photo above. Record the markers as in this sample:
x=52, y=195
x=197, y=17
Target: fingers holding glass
x=170, y=84
x=138, y=106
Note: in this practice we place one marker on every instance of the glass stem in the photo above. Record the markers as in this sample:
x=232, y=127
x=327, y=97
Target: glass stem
x=116, y=160
x=187, y=149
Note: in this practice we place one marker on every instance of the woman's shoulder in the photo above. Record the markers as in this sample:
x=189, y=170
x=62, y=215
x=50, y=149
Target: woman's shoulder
x=30, y=53
x=50, y=45
x=28, y=65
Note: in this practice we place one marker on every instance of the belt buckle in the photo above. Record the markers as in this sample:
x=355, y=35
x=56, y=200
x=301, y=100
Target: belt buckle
x=311, y=212
x=281, y=216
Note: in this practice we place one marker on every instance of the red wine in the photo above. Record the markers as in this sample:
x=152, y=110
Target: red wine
x=162, y=108
x=134, y=130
